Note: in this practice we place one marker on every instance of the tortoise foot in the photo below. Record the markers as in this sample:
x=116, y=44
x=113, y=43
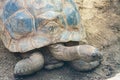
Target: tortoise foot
x=29, y=65
x=81, y=65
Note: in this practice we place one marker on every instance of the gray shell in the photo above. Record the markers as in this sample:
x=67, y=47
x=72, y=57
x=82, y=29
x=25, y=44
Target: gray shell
x=31, y=24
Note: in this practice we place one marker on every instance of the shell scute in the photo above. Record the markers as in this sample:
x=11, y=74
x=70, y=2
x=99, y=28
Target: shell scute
x=10, y=8
x=20, y=24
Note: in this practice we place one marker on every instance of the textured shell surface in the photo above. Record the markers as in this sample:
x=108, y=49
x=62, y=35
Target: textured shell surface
x=31, y=24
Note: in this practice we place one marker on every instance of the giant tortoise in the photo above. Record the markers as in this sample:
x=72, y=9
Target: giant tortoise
x=31, y=27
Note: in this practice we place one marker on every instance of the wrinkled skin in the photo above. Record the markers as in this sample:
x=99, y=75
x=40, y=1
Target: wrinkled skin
x=88, y=58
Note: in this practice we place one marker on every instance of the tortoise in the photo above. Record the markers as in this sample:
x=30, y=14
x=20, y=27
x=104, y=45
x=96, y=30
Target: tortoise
x=33, y=27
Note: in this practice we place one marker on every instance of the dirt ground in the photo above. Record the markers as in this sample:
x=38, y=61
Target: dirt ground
x=101, y=20
x=109, y=67
x=8, y=60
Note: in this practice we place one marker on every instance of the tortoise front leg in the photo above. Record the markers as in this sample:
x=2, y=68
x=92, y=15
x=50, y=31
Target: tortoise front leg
x=81, y=57
x=84, y=52
x=29, y=64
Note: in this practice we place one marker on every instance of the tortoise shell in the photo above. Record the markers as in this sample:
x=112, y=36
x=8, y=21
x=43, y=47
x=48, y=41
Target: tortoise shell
x=31, y=24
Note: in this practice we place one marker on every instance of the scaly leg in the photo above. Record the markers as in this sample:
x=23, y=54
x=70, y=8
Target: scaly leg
x=81, y=57
x=32, y=63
